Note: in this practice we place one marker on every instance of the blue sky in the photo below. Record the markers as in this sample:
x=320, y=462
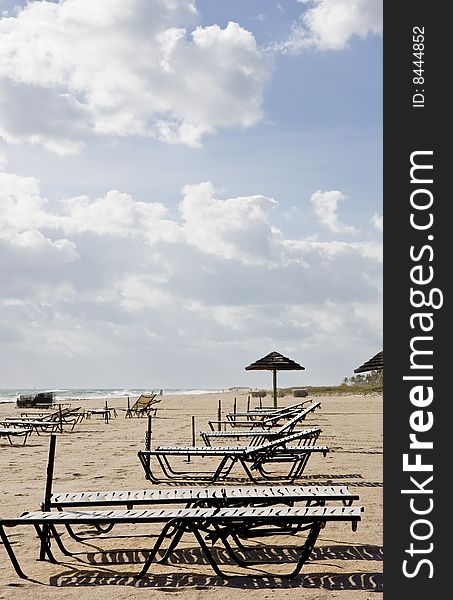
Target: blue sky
x=179, y=192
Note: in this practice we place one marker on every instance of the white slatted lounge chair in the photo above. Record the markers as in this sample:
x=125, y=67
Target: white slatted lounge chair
x=267, y=421
x=205, y=496
x=10, y=432
x=64, y=416
x=251, y=458
x=266, y=412
x=219, y=524
x=202, y=497
x=104, y=413
x=64, y=413
x=259, y=435
x=39, y=425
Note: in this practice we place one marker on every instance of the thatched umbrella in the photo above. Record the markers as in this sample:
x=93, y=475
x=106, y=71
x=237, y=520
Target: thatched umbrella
x=376, y=363
x=274, y=362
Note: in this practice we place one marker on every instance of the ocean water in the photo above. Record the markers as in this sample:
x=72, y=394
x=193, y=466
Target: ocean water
x=61, y=395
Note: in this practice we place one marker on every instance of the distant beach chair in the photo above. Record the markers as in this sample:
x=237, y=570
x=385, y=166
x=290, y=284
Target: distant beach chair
x=65, y=413
x=10, y=432
x=266, y=421
x=106, y=413
x=261, y=413
x=50, y=423
x=143, y=406
x=220, y=524
x=38, y=426
x=251, y=458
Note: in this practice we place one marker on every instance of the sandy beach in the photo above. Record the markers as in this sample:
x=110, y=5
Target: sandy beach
x=100, y=456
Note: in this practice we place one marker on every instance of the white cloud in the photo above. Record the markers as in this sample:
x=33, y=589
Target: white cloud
x=233, y=228
x=378, y=222
x=116, y=274
x=22, y=207
x=137, y=292
x=325, y=206
x=37, y=115
x=115, y=213
x=77, y=68
x=330, y=24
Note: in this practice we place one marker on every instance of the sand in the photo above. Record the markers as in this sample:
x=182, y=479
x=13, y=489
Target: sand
x=100, y=456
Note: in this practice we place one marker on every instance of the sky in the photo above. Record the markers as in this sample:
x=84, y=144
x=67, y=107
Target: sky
x=186, y=186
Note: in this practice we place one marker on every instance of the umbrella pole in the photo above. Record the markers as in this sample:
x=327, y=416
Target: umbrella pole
x=219, y=414
x=274, y=382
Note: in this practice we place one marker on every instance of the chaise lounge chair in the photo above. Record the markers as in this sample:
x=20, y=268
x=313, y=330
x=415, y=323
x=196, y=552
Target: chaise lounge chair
x=47, y=424
x=256, y=436
x=38, y=426
x=217, y=524
x=206, y=496
x=251, y=458
x=266, y=412
x=201, y=497
x=66, y=414
x=143, y=406
x=266, y=421
x=10, y=432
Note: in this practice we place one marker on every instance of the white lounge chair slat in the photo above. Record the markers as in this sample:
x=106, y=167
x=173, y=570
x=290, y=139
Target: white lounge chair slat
x=328, y=513
x=186, y=494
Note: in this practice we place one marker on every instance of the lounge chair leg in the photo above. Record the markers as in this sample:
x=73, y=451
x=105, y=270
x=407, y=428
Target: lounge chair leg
x=219, y=469
x=238, y=542
x=58, y=541
x=171, y=474
x=174, y=542
x=147, y=468
x=229, y=549
x=154, y=550
x=45, y=543
x=248, y=472
x=299, y=467
x=106, y=530
x=71, y=532
x=306, y=549
x=11, y=554
x=207, y=552
x=166, y=467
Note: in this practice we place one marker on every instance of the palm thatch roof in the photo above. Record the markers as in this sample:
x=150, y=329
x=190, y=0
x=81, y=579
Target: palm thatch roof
x=374, y=364
x=275, y=362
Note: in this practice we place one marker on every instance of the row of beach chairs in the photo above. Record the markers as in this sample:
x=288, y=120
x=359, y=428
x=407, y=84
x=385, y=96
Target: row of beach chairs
x=230, y=516
x=266, y=449
x=264, y=418
x=58, y=420
x=227, y=515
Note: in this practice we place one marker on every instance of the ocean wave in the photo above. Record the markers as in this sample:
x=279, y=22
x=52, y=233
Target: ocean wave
x=63, y=394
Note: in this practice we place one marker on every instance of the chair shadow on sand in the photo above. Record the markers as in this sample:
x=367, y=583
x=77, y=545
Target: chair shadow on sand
x=101, y=575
